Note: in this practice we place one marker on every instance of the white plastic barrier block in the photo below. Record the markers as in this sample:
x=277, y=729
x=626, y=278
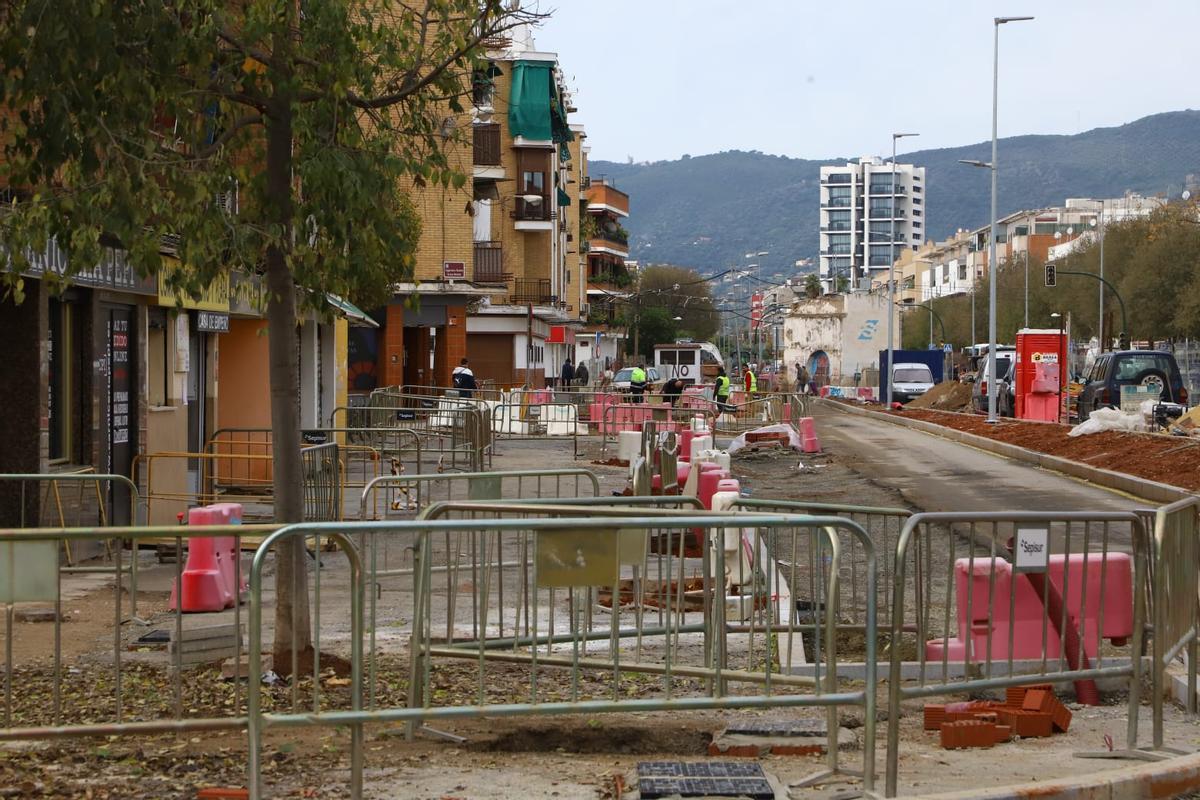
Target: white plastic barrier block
x=699, y=445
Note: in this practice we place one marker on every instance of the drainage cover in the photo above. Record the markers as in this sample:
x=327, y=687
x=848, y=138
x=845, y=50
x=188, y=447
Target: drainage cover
x=703, y=779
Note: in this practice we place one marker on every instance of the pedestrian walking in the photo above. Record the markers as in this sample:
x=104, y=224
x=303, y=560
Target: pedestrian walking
x=463, y=379
x=721, y=391
x=581, y=374
x=567, y=374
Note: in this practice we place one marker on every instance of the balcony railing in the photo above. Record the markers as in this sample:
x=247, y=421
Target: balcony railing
x=532, y=290
x=533, y=212
x=837, y=202
x=489, y=263
x=886, y=188
x=487, y=145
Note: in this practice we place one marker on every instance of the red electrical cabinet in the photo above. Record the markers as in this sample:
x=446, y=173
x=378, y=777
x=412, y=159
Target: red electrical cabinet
x=1041, y=374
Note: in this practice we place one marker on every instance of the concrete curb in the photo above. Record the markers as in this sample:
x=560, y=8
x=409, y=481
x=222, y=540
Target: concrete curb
x=1117, y=481
x=1161, y=779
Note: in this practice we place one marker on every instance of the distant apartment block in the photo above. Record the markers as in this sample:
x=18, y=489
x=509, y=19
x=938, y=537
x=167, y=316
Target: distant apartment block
x=861, y=212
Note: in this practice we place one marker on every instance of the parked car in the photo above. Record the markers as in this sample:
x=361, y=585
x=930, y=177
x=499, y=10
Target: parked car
x=1006, y=392
x=910, y=381
x=1005, y=357
x=653, y=380
x=1110, y=371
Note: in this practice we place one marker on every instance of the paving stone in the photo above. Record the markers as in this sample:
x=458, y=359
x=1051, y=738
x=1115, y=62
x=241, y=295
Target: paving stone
x=785, y=727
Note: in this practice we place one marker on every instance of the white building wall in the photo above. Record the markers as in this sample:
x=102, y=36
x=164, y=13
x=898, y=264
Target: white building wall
x=850, y=329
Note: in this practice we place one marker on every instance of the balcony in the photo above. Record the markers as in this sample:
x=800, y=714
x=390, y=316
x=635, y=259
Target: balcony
x=886, y=188
x=836, y=180
x=837, y=202
x=486, y=146
x=835, y=227
x=527, y=211
x=489, y=264
x=602, y=196
x=535, y=291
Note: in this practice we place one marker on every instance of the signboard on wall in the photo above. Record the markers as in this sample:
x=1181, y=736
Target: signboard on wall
x=212, y=322
x=454, y=270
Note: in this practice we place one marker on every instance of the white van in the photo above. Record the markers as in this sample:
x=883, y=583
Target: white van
x=910, y=381
x=691, y=362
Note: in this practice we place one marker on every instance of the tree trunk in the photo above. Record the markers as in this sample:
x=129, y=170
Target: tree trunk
x=292, y=625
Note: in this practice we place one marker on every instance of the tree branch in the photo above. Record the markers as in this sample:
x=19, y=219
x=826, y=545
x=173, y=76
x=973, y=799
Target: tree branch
x=243, y=122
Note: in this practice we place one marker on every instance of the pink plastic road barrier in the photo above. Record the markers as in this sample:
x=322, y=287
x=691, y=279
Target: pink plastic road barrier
x=210, y=579
x=808, y=436
x=1028, y=613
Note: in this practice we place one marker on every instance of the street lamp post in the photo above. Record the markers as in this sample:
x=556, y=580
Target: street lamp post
x=996, y=23
x=891, y=282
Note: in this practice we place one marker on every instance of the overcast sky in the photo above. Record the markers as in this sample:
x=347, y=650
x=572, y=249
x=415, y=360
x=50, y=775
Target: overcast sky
x=656, y=79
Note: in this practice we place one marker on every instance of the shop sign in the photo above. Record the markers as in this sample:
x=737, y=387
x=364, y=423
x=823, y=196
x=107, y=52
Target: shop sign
x=454, y=270
x=215, y=296
x=212, y=322
x=113, y=272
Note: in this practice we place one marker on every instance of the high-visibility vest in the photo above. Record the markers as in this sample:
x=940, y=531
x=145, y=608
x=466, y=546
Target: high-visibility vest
x=722, y=386
x=638, y=376
x=753, y=382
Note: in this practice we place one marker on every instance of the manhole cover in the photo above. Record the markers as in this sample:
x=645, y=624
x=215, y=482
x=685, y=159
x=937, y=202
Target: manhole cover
x=702, y=779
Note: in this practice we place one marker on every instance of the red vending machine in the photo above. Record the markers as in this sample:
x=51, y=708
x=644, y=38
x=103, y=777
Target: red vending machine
x=1041, y=374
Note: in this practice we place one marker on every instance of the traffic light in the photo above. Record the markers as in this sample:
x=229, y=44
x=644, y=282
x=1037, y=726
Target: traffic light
x=1123, y=341
x=1051, y=276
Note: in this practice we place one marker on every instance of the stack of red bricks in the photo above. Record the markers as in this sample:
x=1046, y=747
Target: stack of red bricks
x=1027, y=711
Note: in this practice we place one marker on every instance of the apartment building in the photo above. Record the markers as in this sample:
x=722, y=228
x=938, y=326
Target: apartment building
x=498, y=272
x=861, y=212
x=611, y=276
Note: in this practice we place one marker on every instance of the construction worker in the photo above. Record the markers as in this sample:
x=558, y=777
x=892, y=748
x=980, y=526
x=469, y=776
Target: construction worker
x=751, y=380
x=721, y=390
x=637, y=383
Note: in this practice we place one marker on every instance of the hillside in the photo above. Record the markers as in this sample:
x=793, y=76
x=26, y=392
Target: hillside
x=706, y=212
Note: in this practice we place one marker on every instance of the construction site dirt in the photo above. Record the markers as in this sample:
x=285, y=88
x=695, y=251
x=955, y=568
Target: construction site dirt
x=1168, y=459
x=553, y=757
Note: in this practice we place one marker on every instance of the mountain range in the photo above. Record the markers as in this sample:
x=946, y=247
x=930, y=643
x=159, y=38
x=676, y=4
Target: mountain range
x=706, y=212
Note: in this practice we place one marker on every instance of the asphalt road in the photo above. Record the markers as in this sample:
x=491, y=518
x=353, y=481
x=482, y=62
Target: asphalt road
x=936, y=474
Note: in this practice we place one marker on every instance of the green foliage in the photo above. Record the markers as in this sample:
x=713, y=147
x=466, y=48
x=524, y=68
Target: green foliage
x=812, y=286
x=681, y=293
x=1154, y=262
x=132, y=117
x=709, y=211
x=655, y=326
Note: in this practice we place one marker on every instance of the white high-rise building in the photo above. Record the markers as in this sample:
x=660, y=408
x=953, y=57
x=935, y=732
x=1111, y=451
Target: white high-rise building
x=858, y=208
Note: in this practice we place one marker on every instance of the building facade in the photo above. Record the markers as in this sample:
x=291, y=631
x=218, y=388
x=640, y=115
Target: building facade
x=861, y=212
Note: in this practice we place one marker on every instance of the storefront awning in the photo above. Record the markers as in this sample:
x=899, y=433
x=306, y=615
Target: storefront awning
x=351, y=312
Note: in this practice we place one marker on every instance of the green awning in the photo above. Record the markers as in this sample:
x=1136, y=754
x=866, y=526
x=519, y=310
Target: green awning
x=351, y=312
x=564, y=199
x=529, y=104
x=536, y=110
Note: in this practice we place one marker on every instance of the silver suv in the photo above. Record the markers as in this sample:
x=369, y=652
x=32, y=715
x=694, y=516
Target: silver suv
x=1005, y=356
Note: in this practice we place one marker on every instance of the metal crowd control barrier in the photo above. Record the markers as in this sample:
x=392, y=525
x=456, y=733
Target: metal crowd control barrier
x=411, y=494
x=323, y=482
x=1079, y=569
x=363, y=449
x=883, y=525
x=102, y=516
x=535, y=617
x=528, y=421
x=1176, y=613
x=26, y=715
x=636, y=415
x=457, y=430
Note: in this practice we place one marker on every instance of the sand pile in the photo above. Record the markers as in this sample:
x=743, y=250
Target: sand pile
x=946, y=396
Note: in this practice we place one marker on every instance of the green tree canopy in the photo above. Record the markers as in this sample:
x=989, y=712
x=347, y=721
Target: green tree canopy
x=125, y=121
